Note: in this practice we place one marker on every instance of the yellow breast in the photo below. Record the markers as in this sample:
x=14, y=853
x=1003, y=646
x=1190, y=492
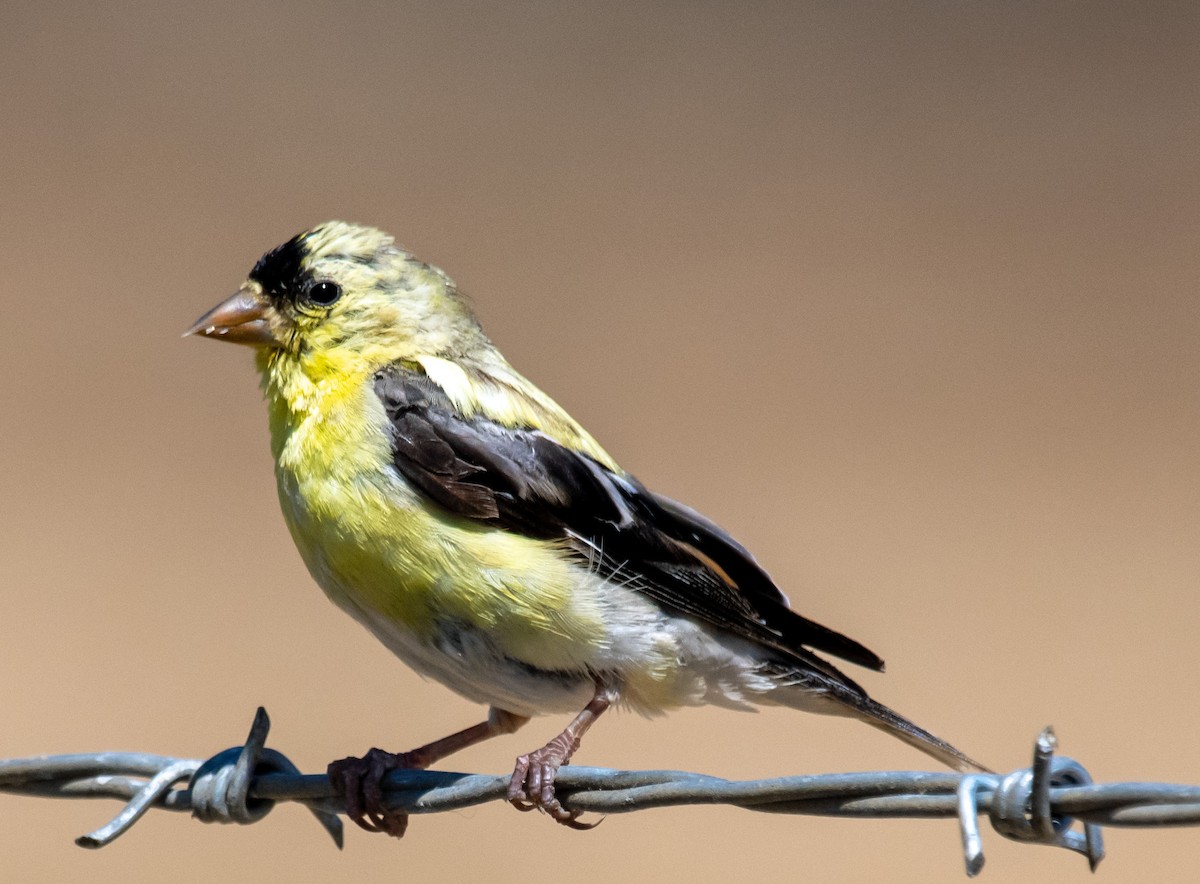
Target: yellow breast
x=375, y=544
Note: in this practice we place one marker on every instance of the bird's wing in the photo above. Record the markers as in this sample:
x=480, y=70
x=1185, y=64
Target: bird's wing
x=523, y=481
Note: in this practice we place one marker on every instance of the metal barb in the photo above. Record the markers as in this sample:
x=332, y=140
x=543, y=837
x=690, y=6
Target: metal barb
x=154, y=790
x=244, y=769
x=1040, y=820
x=221, y=789
x=968, y=819
x=1021, y=807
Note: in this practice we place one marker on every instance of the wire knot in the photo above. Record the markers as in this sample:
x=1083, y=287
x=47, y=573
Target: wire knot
x=1020, y=806
x=220, y=787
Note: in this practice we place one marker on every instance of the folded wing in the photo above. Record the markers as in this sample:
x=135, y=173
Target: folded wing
x=522, y=480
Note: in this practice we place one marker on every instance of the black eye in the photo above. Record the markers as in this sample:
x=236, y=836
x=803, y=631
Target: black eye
x=322, y=294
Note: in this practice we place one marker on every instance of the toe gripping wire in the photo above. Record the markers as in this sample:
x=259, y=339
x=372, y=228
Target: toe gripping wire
x=220, y=787
x=1019, y=806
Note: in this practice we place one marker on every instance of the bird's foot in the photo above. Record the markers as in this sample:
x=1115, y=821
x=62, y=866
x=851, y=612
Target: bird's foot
x=532, y=783
x=359, y=782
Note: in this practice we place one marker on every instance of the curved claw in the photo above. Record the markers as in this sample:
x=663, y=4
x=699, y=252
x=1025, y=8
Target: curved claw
x=359, y=782
x=517, y=796
x=532, y=787
x=532, y=784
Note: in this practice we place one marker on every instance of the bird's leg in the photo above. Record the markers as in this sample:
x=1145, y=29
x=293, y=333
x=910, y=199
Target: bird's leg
x=359, y=781
x=532, y=783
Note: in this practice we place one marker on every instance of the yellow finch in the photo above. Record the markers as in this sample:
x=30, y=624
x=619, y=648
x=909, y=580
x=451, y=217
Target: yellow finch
x=457, y=512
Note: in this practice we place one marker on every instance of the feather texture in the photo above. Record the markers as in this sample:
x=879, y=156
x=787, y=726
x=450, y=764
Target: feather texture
x=523, y=481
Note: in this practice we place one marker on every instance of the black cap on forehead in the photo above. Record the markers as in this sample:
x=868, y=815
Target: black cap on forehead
x=278, y=271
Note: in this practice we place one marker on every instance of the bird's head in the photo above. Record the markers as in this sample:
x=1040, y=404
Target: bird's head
x=344, y=292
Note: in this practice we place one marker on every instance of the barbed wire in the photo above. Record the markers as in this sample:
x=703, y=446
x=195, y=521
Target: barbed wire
x=1038, y=804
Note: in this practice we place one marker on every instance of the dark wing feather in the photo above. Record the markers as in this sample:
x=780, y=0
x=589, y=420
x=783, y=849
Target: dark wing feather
x=523, y=481
x=683, y=522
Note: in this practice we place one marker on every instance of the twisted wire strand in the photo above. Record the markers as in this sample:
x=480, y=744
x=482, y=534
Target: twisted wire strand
x=240, y=785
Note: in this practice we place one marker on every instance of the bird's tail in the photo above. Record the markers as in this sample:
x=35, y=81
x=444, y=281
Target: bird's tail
x=880, y=716
x=829, y=691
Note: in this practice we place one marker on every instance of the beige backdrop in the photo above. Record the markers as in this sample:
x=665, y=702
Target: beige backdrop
x=903, y=295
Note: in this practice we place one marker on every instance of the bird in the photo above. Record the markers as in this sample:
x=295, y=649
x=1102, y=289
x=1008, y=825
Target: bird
x=456, y=511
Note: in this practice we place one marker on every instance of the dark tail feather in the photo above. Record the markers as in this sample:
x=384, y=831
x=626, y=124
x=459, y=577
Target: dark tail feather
x=880, y=716
x=816, y=685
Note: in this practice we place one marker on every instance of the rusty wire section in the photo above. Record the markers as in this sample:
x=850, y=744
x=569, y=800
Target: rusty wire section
x=1039, y=804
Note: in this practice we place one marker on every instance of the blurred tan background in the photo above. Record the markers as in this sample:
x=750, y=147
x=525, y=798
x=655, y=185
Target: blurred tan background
x=904, y=295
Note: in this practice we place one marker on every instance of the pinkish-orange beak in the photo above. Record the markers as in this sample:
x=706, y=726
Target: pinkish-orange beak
x=242, y=318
